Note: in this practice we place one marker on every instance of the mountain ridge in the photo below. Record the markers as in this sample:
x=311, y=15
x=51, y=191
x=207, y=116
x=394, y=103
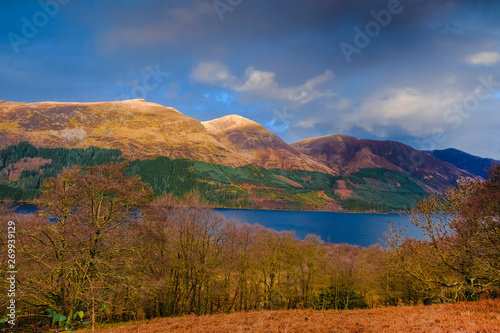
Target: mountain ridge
x=342, y=150
x=471, y=163
x=144, y=130
x=261, y=146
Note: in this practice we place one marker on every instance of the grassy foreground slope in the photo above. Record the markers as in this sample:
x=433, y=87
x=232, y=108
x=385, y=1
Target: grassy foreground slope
x=483, y=316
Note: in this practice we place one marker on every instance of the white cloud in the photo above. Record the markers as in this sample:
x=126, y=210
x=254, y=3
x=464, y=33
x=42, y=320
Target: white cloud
x=212, y=73
x=257, y=81
x=308, y=123
x=484, y=58
x=415, y=113
x=265, y=85
x=262, y=83
x=344, y=103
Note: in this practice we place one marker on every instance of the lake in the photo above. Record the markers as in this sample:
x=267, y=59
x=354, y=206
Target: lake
x=351, y=228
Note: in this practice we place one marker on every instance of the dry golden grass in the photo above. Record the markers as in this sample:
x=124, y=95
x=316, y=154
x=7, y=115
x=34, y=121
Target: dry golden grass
x=483, y=316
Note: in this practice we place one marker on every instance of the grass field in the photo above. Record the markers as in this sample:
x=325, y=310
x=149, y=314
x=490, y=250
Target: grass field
x=483, y=316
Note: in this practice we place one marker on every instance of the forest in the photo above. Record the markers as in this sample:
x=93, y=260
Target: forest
x=103, y=248
x=23, y=168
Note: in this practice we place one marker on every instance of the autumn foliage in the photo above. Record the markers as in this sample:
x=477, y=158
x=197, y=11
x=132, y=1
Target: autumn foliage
x=459, y=258
x=103, y=246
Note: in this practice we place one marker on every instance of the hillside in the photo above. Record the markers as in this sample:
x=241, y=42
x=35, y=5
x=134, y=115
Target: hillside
x=24, y=167
x=473, y=164
x=231, y=161
x=145, y=130
x=461, y=317
x=352, y=154
x=139, y=129
x=260, y=146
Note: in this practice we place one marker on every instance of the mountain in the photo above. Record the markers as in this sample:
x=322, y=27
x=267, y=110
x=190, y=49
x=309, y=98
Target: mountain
x=351, y=154
x=238, y=157
x=147, y=130
x=473, y=164
x=139, y=129
x=23, y=167
x=260, y=146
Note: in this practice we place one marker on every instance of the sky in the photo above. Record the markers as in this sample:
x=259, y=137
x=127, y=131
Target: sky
x=422, y=72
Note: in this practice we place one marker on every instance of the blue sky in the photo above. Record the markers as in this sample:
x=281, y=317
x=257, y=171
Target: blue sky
x=426, y=73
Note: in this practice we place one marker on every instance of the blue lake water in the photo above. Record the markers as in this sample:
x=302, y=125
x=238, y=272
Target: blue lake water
x=351, y=228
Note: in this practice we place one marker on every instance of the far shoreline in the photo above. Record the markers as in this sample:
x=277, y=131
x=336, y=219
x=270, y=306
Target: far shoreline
x=16, y=205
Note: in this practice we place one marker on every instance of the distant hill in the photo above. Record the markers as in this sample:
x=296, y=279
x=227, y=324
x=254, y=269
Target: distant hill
x=351, y=154
x=473, y=164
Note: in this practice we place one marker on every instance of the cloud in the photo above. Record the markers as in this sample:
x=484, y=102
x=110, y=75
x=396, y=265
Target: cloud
x=428, y=58
x=212, y=72
x=308, y=123
x=406, y=110
x=344, y=103
x=168, y=25
x=262, y=83
x=484, y=58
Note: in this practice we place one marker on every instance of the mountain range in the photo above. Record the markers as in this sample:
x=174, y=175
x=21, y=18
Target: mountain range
x=147, y=131
x=473, y=164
